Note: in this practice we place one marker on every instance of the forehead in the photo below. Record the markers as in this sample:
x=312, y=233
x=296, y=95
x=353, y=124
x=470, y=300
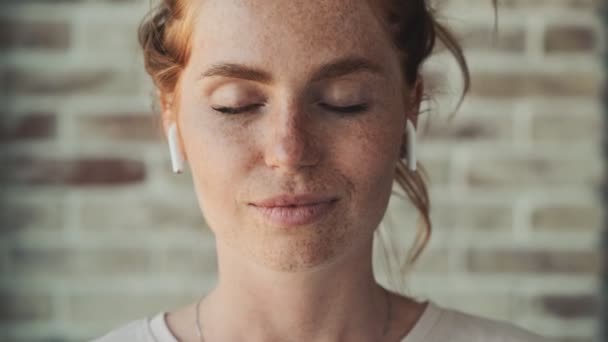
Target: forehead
x=287, y=34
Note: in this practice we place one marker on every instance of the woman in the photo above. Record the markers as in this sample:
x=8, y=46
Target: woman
x=295, y=118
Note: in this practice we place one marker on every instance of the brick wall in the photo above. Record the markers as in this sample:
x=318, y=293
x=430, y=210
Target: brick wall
x=97, y=231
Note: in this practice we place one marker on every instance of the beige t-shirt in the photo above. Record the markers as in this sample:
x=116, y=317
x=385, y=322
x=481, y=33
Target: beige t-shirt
x=436, y=324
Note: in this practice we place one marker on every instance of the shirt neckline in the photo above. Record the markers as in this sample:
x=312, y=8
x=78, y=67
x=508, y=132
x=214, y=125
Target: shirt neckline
x=158, y=328
x=427, y=320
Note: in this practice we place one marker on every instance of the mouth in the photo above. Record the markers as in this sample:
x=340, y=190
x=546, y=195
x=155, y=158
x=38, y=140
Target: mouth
x=292, y=211
x=286, y=200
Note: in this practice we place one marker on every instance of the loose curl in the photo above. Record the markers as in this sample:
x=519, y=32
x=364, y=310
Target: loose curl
x=165, y=34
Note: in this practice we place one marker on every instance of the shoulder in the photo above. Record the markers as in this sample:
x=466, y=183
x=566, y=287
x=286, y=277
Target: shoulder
x=461, y=326
x=134, y=331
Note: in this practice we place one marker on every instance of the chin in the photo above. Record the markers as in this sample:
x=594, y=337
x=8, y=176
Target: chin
x=300, y=252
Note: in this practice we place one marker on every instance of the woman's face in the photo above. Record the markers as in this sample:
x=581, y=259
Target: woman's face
x=321, y=113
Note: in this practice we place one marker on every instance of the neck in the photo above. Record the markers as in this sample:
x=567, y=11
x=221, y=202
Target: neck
x=339, y=301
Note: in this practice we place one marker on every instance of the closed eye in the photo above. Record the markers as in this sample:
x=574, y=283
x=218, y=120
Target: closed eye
x=236, y=110
x=348, y=109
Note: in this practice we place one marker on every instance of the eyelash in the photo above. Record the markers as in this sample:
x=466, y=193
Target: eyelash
x=347, y=110
x=233, y=110
x=343, y=110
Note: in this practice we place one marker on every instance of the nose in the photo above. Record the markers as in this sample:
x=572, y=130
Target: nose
x=293, y=140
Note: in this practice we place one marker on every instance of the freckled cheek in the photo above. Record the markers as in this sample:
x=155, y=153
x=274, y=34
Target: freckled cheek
x=369, y=161
x=373, y=168
x=374, y=145
x=226, y=157
x=219, y=156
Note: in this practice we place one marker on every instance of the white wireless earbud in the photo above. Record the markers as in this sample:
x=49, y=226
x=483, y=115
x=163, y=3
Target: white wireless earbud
x=177, y=159
x=411, y=145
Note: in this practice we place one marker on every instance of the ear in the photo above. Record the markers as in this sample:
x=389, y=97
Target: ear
x=169, y=116
x=415, y=100
x=166, y=105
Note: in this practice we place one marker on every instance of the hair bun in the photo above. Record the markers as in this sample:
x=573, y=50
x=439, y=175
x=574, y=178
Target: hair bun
x=162, y=15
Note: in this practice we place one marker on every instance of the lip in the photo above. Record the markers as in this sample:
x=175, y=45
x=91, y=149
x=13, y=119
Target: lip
x=291, y=200
x=295, y=210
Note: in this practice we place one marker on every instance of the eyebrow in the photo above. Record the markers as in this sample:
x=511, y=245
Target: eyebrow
x=333, y=69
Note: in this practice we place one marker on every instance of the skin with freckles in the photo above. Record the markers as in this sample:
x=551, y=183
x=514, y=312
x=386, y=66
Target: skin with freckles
x=290, y=97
